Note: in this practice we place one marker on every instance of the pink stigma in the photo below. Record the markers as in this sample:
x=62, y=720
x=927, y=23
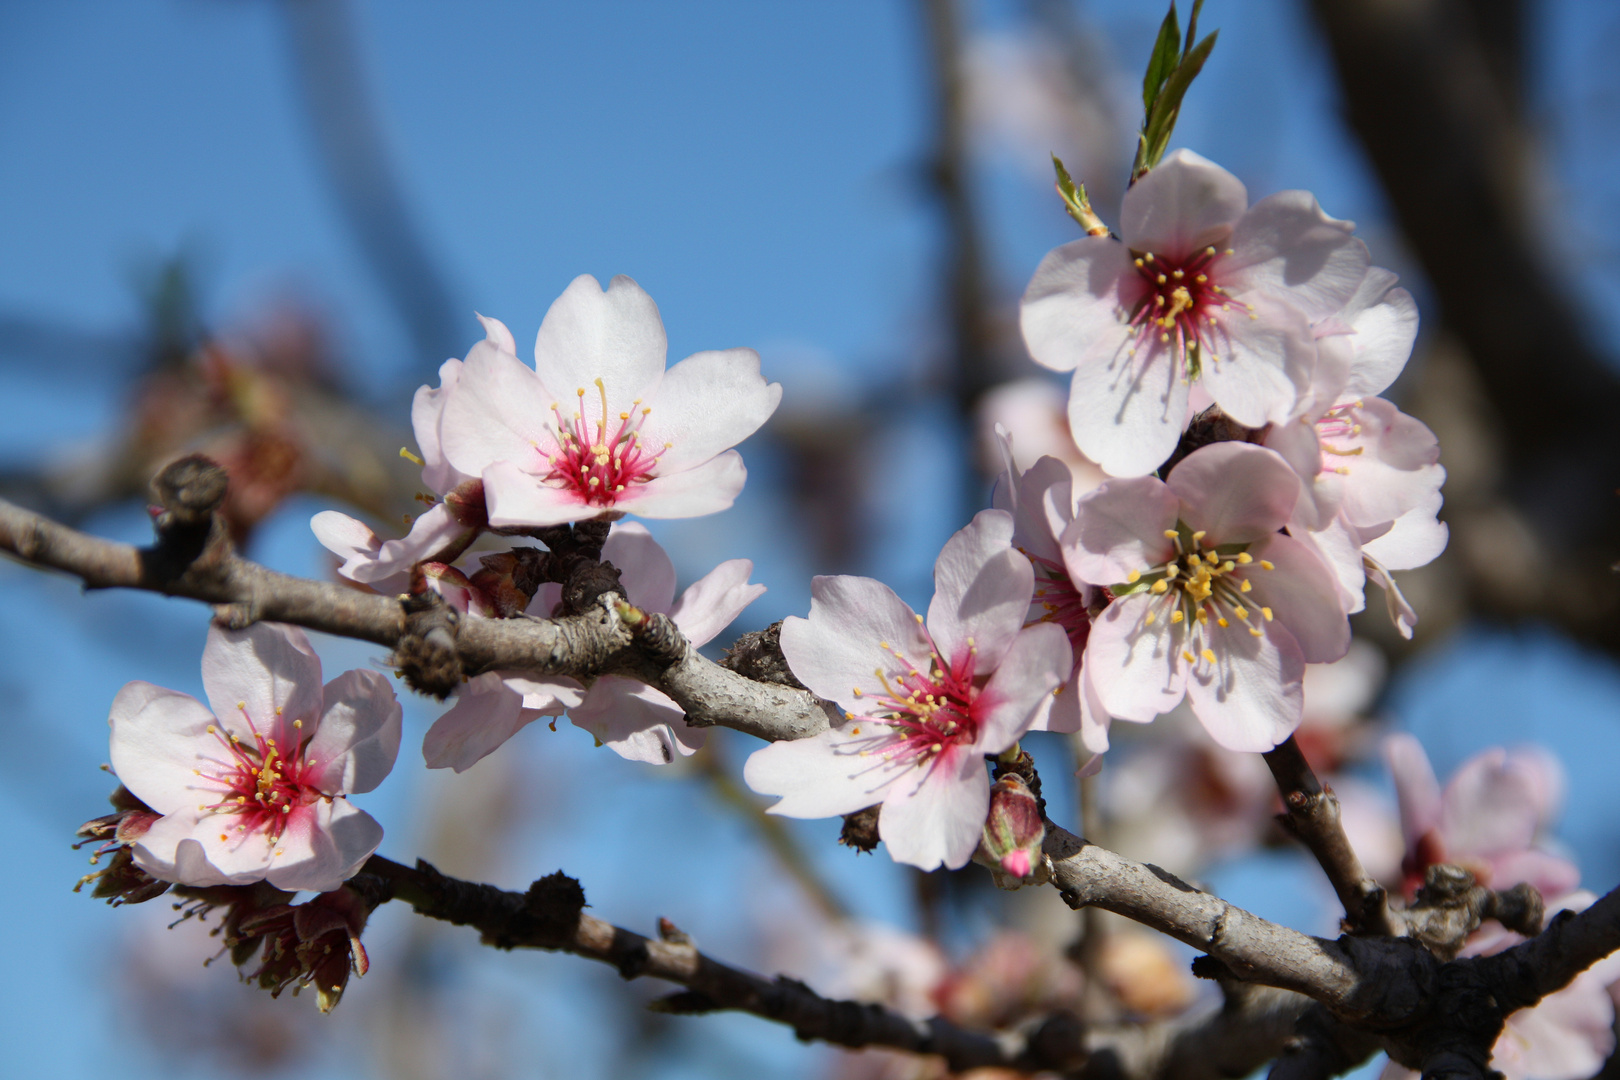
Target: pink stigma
x=1063, y=603
x=1178, y=301
x=264, y=782
x=599, y=466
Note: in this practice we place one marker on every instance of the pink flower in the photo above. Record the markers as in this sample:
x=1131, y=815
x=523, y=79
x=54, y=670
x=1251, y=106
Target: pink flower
x=598, y=426
x=629, y=717
x=1490, y=818
x=1371, y=473
x=253, y=785
x=924, y=700
x=1199, y=289
x=1211, y=603
x=386, y=565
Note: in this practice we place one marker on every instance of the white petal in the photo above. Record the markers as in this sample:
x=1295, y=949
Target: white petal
x=516, y=498
x=487, y=712
x=1259, y=363
x=635, y=721
x=1186, y=202
x=267, y=675
x=1250, y=698
x=837, y=651
x=427, y=412
x=1286, y=246
x=710, y=603
x=982, y=590
x=1072, y=314
x=1238, y=492
x=1417, y=791
x=827, y=774
x=357, y=737
x=1134, y=666
x=1038, y=663
x=1304, y=596
x=696, y=492
x=1384, y=333
x=159, y=739
x=614, y=335
x=326, y=851
x=645, y=570
x=1119, y=527
x=709, y=402
x=1127, y=412
x=498, y=410
x=935, y=814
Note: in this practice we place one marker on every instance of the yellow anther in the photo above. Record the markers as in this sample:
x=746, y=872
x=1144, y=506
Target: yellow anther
x=1223, y=623
x=1176, y=274
x=1245, y=558
x=1201, y=278
x=1161, y=586
x=1229, y=251
x=1161, y=279
x=1208, y=655
x=1256, y=632
x=1138, y=262
x=1164, y=338
x=919, y=618
x=1241, y=612
x=1265, y=611
x=1150, y=619
x=1266, y=564
x=1228, y=566
x=408, y=456
x=1187, y=656
x=1246, y=586
x=1176, y=616
x=212, y=730
x=1198, y=537
x=858, y=691
x=1171, y=534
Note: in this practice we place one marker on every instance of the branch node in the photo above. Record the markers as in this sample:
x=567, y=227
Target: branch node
x=661, y=641
x=426, y=654
x=190, y=490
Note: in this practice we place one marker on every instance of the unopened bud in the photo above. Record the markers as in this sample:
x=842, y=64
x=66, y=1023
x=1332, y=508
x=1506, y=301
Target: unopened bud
x=1014, y=831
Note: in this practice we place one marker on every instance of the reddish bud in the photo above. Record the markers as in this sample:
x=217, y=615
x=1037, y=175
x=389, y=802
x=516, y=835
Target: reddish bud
x=1014, y=831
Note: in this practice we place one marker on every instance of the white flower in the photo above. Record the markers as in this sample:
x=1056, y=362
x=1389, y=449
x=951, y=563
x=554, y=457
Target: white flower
x=253, y=785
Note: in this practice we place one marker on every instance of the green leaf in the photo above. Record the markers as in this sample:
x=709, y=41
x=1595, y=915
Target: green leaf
x=1075, y=200
x=1163, y=59
x=1192, y=26
x=1161, y=119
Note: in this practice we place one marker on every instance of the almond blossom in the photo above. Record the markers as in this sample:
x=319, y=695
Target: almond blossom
x=1371, y=473
x=1491, y=818
x=253, y=786
x=631, y=718
x=1212, y=602
x=924, y=699
x=598, y=426
x=1200, y=289
x=459, y=507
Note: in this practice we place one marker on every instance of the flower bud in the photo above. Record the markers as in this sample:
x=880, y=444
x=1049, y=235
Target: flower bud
x=120, y=881
x=1014, y=830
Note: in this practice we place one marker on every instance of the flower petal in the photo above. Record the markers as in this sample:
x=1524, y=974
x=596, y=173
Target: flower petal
x=1304, y=596
x=1134, y=666
x=635, y=721
x=703, y=489
x=159, y=740
x=1286, y=246
x=1118, y=528
x=1237, y=492
x=838, y=649
x=1260, y=361
x=710, y=603
x=266, y=675
x=645, y=570
x=1038, y=662
x=324, y=849
x=427, y=410
x=934, y=815
x=1385, y=321
x=498, y=410
x=1251, y=697
x=839, y=771
x=612, y=334
x=1127, y=412
x=1072, y=314
x=1184, y=203
x=982, y=589
x=1417, y=790
x=357, y=738
x=516, y=498
x=709, y=402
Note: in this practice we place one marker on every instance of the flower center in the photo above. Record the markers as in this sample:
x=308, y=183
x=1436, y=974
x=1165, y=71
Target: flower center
x=931, y=711
x=599, y=465
x=1179, y=305
x=263, y=782
x=1339, y=433
x=1201, y=588
x=1064, y=604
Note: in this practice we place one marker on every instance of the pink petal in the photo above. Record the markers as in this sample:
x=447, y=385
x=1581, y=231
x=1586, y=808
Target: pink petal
x=1250, y=699
x=635, y=721
x=836, y=651
x=614, y=335
x=709, y=402
x=357, y=738
x=1237, y=492
x=1185, y=203
x=703, y=489
x=267, y=675
x=1550, y=875
x=1417, y=792
x=1071, y=314
x=1127, y=412
x=1063, y=715
x=645, y=570
x=490, y=709
x=1260, y=362
x=935, y=814
x=1094, y=719
x=1414, y=539
x=1038, y=662
x=323, y=850
x=1134, y=667
x=1286, y=246
x=982, y=589
x=1303, y=595
x=1489, y=806
x=497, y=411
x=427, y=410
x=431, y=533
x=159, y=737
x=516, y=498
x=1336, y=547
x=496, y=335
x=839, y=771
x=1385, y=321
x=710, y=604
x=1320, y=492
x=1025, y=498
x=1118, y=528
x=1398, y=468
x=171, y=851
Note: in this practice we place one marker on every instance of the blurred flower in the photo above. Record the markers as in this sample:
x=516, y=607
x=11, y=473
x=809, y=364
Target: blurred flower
x=272, y=758
x=1007, y=980
x=1185, y=559
x=1201, y=290
x=1034, y=415
x=549, y=449
x=1144, y=973
x=924, y=700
